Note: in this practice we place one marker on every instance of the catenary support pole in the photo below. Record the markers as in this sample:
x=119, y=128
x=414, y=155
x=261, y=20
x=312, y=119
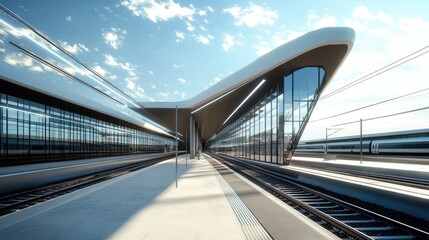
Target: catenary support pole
x=186, y=147
x=326, y=143
x=361, y=141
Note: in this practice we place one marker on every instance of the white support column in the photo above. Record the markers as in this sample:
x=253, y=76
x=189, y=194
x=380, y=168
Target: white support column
x=192, y=137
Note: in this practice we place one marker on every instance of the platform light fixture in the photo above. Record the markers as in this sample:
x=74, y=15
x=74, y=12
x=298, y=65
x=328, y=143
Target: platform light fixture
x=254, y=90
x=212, y=101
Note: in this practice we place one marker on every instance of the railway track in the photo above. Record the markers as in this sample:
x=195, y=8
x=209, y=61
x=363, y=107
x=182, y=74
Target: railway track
x=344, y=219
x=404, y=181
x=23, y=199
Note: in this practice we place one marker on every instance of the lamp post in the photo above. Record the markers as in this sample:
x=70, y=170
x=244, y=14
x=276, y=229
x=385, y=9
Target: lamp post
x=186, y=147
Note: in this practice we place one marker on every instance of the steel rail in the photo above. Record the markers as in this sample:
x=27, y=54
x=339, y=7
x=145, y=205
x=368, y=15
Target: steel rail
x=404, y=231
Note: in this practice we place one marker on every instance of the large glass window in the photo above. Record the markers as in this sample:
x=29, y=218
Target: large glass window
x=273, y=126
x=34, y=132
x=300, y=90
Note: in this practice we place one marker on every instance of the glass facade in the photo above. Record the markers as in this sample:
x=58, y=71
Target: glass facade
x=48, y=129
x=271, y=129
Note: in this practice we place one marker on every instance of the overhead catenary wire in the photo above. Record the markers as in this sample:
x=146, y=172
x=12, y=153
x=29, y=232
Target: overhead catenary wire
x=371, y=105
x=110, y=86
x=63, y=50
x=384, y=116
x=379, y=71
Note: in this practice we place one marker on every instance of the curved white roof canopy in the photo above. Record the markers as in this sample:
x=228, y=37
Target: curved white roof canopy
x=35, y=61
x=326, y=47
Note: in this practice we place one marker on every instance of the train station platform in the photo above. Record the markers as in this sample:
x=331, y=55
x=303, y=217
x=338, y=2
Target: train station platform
x=393, y=166
x=147, y=205
x=374, y=182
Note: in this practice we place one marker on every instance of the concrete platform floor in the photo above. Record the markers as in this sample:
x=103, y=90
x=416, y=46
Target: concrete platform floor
x=142, y=205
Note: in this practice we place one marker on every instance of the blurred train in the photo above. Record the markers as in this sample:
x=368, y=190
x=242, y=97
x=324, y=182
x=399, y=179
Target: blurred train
x=413, y=142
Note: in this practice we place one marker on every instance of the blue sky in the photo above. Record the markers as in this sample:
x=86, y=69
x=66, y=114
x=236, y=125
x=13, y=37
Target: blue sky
x=171, y=50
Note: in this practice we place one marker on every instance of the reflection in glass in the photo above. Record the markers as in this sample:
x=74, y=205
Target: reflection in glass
x=37, y=132
x=276, y=122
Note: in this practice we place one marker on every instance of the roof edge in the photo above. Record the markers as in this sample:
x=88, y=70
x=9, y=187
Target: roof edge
x=284, y=53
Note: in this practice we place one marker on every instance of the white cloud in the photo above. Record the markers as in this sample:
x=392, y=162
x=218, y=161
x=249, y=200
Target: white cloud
x=363, y=13
x=202, y=39
x=182, y=81
x=119, y=30
x=113, y=77
x=75, y=48
x=83, y=47
x=190, y=27
x=19, y=60
x=159, y=11
x=114, y=37
x=312, y=16
x=140, y=91
x=164, y=95
x=108, y=9
x=218, y=78
x=100, y=70
x=180, y=36
x=278, y=40
x=280, y=37
x=2, y=50
x=228, y=42
x=153, y=86
x=181, y=94
x=72, y=70
x=210, y=9
x=110, y=60
x=20, y=32
x=317, y=22
x=252, y=16
x=36, y=69
x=69, y=19
x=130, y=84
x=126, y=66
x=202, y=12
x=25, y=32
x=291, y=35
x=151, y=72
x=137, y=92
x=380, y=40
x=263, y=48
x=178, y=66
